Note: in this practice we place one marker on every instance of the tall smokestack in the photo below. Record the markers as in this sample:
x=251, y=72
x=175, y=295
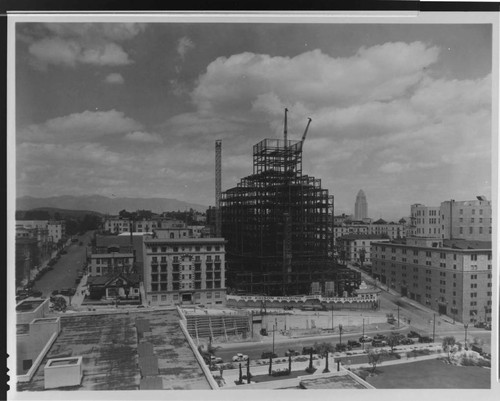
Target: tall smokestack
x=218, y=175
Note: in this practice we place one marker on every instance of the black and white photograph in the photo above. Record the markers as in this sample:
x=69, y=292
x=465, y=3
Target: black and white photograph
x=252, y=202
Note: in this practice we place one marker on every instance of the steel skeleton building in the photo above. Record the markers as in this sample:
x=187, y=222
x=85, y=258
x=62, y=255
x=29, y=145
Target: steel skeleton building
x=278, y=223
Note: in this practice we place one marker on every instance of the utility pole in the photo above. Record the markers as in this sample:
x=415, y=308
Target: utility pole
x=332, y=318
x=434, y=328
x=274, y=329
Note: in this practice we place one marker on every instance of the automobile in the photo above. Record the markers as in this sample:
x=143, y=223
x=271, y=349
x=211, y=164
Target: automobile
x=288, y=307
x=425, y=339
x=268, y=354
x=413, y=334
x=480, y=325
x=240, y=357
x=476, y=348
x=291, y=352
x=353, y=344
x=308, y=350
x=406, y=341
x=215, y=359
x=263, y=332
x=140, y=306
x=36, y=293
x=379, y=343
x=380, y=337
x=50, y=268
x=365, y=339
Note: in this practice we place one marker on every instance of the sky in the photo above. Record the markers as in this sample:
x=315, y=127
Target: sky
x=402, y=111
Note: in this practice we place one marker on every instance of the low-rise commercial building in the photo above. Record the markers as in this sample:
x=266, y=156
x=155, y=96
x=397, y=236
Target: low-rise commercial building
x=452, y=277
x=355, y=247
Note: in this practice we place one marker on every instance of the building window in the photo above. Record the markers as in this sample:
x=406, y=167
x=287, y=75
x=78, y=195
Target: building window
x=154, y=298
x=163, y=298
x=473, y=257
x=154, y=287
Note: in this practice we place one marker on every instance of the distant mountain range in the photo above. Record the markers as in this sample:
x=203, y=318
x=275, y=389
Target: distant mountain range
x=105, y=205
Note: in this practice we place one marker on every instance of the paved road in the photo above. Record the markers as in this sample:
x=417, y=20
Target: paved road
x=65, y=270
x=255, y=350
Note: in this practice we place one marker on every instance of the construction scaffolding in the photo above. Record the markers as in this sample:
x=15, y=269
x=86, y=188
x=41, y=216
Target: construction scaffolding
x=278, y=224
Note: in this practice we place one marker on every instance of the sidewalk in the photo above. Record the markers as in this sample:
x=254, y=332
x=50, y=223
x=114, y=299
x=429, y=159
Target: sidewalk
x=232, y=375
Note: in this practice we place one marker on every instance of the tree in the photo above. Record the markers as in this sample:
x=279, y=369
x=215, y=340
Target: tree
x=326, y=370
x=393, y=340
x=374, y=358
x=448, y=345
x=323, y=348
x=362, y=256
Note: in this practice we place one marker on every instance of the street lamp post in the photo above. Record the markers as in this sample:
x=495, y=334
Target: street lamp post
x=332, y=317
x=466, y=325
x=340, y=331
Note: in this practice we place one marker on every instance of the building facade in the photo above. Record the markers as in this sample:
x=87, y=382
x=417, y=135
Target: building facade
x=452, y=277
x=354, y=245
x=468, y=220
x=113, y=259
x=360, y=206
x=179, y=269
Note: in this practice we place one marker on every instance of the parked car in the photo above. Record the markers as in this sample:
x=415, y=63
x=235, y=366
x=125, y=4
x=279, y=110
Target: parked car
x=365, y=339
x=291, y=352
x=240, y=357
x=263, y=332
x=288, y=307
x=379, y=343
x=215, y=359
x=480, y=325
x=406, y=341
x=413, y=334
x=35, y=293
x=353, y=344
x=380, y=337
x=55, y=292
x=308, y=350
x=425, y=339
x=268, y=354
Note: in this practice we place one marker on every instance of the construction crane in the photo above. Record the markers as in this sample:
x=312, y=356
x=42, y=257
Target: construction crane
x=305, y=132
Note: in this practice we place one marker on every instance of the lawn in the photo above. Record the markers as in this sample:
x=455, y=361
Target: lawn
x=430, y=374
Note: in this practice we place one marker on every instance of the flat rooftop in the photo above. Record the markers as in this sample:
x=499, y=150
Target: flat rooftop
x=336, y=382
x=29, y=305
x=108, y=343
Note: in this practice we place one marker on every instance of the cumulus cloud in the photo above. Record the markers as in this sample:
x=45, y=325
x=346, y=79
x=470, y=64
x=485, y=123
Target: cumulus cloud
x=114, y=78
x=377, y=73
x=79, y=126
x=71, y=44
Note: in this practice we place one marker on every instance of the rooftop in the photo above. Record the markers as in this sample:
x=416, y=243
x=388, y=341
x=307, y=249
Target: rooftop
x=466, y=244
x=332, y=382
x=364, y=236
x=108, y=343
x=29, y=305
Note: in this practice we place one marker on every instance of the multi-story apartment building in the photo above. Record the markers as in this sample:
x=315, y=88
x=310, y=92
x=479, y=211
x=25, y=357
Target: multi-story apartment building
x=469, y=220
x=180, y=269
x=353, y=245
x=105, y=260
x=452, y=277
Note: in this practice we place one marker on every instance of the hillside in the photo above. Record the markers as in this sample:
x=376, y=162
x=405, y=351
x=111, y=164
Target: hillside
x=105, y=205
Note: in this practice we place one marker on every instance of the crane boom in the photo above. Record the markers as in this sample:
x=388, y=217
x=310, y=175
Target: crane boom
x=305, y=132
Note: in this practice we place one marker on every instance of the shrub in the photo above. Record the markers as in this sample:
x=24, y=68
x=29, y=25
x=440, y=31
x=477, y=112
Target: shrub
x=280, y=372
x=310, y=370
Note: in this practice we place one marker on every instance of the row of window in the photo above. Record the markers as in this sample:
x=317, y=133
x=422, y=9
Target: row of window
x=176, y=286
x=197, y=248
x=197, y=296
x=471, y=230
x=177, y=276
x=175, y=259
x=108, y=261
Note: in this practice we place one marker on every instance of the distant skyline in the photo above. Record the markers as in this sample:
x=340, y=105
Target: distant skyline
x=402, y=111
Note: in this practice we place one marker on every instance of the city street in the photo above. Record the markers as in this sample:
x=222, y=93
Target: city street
x=65, y=269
